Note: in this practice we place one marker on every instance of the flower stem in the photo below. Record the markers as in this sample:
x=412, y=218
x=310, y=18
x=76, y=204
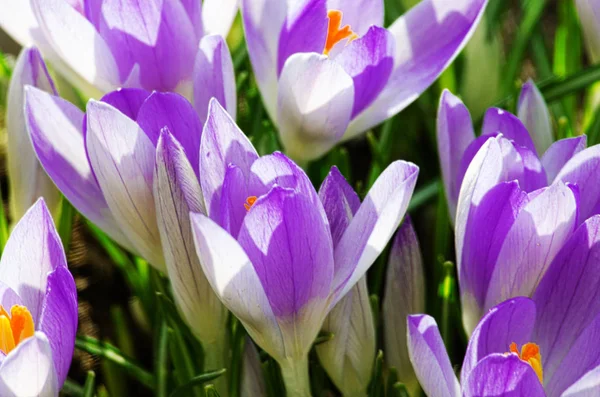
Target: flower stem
x=295, y=377
x=215, y=358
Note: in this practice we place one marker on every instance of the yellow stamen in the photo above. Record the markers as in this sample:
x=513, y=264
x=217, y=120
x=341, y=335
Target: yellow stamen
x=335, y=31
x=530, y=353
x=7, y=340
x=250, y=202
x=15, y=328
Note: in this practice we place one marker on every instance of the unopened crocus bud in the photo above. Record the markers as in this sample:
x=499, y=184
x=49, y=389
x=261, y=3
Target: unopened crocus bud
x=533, y=112
x=589, y=15
x=27, y=179
x=404, y=295
x=253, y=382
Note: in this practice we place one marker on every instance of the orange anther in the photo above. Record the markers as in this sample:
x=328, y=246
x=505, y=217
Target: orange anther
x=14, y=328
x=530, y=353
x=335, y=31
x=250, y=202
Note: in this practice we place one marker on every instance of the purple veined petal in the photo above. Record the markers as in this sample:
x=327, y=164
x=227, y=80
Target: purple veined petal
x=315, y=102
x=568, y=294
x=559, y=153
x=29, y=370
x=176, y=194
x=503, y=375
x=214, y=76
x=583, y=356
x=586, y=386
x=291, y=250
x=369, y=60
x=454, y=134
x=304, y=30
x=174, y=112
x=429, y=357
x=32, y=251
x=511, y=321
x=428, y=38
x=195, y=13
x=218, y=15
x=373, y=225
x=582, y=170
x=589, y=13
x=533, y=112
x=500, y=121
x=263, y=21
x=536, y=236
x=58, y=320
x=359, y=15
x=467, y=156
x=127, y=100
x=404, y=295
x=534, y=176
x=222, y=143
x=77, y=42
x=236, y=283
x=8, y=297
x=234, y=200
x=123, y=159
x=340, y=202
x=27, y=179
x=143, y=33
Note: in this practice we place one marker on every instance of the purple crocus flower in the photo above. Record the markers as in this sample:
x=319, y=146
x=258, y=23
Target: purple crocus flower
x=328, y=71
x=546, y=345
x=102, y=45
x=267, y=245
x=38, y=309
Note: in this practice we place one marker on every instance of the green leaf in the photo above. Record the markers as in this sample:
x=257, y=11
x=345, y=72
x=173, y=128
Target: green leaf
x=377, y=387
x=185, y=389
x=71, y=389
x=162, y=361
x=424, y=194
x=90, y=383
x=210, y=391
x=65, y=223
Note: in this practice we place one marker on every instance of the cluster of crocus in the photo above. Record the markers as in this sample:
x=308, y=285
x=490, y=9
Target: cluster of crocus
x=38, y=309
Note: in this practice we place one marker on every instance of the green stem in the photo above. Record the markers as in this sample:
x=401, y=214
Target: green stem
x=295, y=377
x=215, y=358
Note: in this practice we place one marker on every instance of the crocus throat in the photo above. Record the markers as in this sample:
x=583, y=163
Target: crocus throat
x=530, y=353
x=15, y=327
x=335, y=31
x=249, y=202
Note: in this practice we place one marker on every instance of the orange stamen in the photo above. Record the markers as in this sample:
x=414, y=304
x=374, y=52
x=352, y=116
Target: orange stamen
x=250, y=202
x=15, y=328
x=335, y=31
x=530, y=353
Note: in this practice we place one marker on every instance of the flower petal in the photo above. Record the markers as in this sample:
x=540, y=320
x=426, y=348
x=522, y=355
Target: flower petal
x=32, y=251
x=29, y=370
x=195, y=13
x=559, y=153
x=429, y=357
x=234, y=197
x=537, y=234
x=218, y=15
x=533, y=112
x=316, y=98
x=56, y=130
x=454, y=134
x=589, y=11
x=428, y=38
x=127, y=100
x=500, y=121
x=222, y=143
x=503, y=375
x=369, y=60
x=511, y=321
x=214, y=77
x=123, y=158
x=587, y=386
x=58, y=320
x=373, y=225
x=27, y=179
x=360, y=15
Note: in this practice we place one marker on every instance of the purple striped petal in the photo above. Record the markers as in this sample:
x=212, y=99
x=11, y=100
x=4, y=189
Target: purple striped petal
x=194, y=10
x=234, y=197
x=360, y=15
x=369, y=60
x=315, y=101
x=428, y=38
x=559, y=153
x=454, y=134
x=123, y=160
x=511, y=321
x=503, y=375
x=214, y=77
x=533, y=112
x=500, y=121
x=537, y=234
x=127, y=100
x=429, y=357
x=586, y=386
x=568, y=294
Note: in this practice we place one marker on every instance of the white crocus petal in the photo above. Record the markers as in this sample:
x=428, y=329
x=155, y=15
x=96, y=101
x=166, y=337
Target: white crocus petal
x=315, y=104
x=28, y=370
x=218, y=15
x=253, y=382
x=589, y=14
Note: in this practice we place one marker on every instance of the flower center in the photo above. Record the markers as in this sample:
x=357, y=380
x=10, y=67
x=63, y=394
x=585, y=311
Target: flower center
x=249, y=202
x=15, y=327
x=335, y=31
x=530, y=353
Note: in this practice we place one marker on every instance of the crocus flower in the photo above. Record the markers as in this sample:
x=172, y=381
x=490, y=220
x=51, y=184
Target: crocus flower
x=267, y=244
x=27, y=180
x=404, y=295
x=328, y=71
x=252, y=383
x=546, y=345
x=102, y=45
x=38, y=309
x=589, y=15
